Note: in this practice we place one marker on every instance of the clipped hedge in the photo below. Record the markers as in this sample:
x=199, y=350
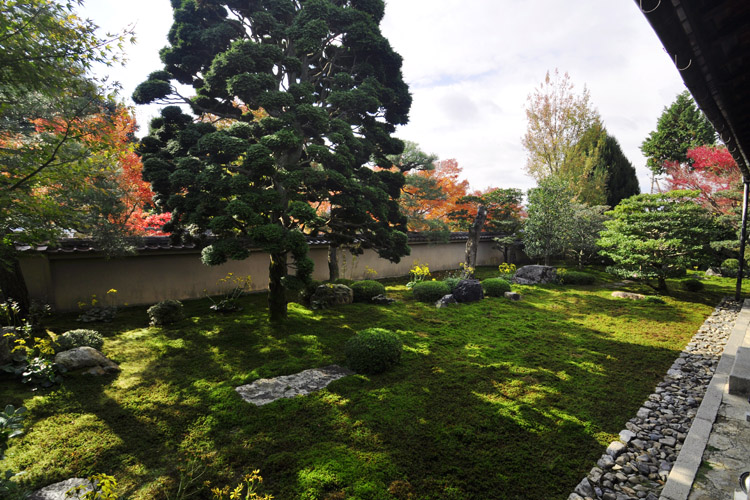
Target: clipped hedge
x=730, y=268
x=165, y=312
x=577, y=278
x=692, y=285
x=373, y=351
x=365, y=290
x=430, y=291
x=452, y=282
x=79, y=338
x=495, y=287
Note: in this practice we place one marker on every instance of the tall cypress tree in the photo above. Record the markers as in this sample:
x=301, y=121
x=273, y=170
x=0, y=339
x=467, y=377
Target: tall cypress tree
x=622, y=181
x=332, y=93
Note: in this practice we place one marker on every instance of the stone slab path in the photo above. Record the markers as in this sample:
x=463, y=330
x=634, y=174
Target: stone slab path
x=267, y=390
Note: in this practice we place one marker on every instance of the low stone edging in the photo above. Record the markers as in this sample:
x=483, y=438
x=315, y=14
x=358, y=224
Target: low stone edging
x=637, y=466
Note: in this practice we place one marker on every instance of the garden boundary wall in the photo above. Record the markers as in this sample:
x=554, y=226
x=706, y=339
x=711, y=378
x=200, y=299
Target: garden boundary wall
x=73, y=272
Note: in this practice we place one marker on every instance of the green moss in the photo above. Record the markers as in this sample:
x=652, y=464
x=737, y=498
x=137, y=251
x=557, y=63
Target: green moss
x=482, y=391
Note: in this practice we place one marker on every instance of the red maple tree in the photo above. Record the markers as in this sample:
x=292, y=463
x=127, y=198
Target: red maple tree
x=713, y=172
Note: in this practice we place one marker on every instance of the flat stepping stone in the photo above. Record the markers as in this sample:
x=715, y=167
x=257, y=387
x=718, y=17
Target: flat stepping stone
x=268, y=390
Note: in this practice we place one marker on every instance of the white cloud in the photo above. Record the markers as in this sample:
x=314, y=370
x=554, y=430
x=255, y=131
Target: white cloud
x=471, y=64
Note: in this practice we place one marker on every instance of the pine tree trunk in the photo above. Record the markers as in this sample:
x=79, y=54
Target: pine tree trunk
x=13, y=285
x=276, y=293
x=472, y=244
x=662, y=284
x=333, y=263
x=546, y=260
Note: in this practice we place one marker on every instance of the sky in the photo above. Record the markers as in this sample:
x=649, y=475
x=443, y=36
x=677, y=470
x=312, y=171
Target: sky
x=470, y=66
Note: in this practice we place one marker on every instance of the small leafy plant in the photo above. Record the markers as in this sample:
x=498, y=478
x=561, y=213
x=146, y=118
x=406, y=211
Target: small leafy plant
x=373, y=350
x=41, y=372
x=11, y=426
x=507, y=271
x=94, y=311
x=248, y=487
x=104, y=488
x=233, y=288
x=417, y=274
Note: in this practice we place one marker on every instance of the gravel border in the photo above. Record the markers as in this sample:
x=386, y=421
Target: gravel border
x=637, y=466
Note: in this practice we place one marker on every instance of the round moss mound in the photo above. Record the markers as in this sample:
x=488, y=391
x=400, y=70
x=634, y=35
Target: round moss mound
x=495, y=287
x=430, y=291
x=692, y=285
x=373, y=351
x=365, y=290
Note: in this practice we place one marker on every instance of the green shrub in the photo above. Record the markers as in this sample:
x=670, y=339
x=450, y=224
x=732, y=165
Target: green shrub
x=365, y=290
x=692, y=285
x=79, y=338
x=430, y=291
x=373, y=350
x=495, y=287
x=451, y=282
x=165, y=312
x=730, y=268
x=577, y=278
x=344, y=281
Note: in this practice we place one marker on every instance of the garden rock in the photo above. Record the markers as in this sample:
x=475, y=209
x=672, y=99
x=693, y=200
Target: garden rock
x=712, y=272
x=468, y=291
x=382, y=300
x=445, y=301
x=628, y=295
x=515, y=296
x=57, y=491
x=331, y=295
x=534, y=275
x=86, y=357
x=267, y=390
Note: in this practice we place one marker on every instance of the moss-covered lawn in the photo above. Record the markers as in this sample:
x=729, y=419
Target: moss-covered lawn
x=492, y=400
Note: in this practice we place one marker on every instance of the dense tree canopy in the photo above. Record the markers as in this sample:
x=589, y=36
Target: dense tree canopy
x=680, y=127
x=558, y=118
x=656, y=236
x=332, y=92
x=52, y=119
x=550, y=214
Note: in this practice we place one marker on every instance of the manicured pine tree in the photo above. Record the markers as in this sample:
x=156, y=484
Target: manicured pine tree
x=332, y=91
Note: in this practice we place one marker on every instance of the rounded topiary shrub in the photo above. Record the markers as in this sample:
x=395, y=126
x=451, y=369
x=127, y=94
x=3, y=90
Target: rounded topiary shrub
x=692, y=285
x=165, y=312
x=79, y=338
x=374, y=350
x=430, y=291
x=365, y=290
x=495, y=287
x=451, y=282
x=577, y=278
x=730, y=268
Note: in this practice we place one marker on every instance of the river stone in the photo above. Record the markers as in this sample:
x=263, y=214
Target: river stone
x=57, y=491
x=468, y=291
x=515, y=296
x=615, y=448
x=533, y=275
x=382, y=300
x=86, y=357
x=267, y=390
x=445, y=301
x=628, y=295
x=329, y=295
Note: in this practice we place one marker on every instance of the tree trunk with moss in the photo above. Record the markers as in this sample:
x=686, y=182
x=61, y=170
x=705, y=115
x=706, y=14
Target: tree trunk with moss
x=276, y=293
x=472, y=244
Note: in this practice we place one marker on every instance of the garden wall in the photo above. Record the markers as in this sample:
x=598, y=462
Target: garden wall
x=65, y=278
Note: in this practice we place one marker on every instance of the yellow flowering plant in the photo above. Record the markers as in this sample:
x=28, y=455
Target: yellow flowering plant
x=417, y=273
